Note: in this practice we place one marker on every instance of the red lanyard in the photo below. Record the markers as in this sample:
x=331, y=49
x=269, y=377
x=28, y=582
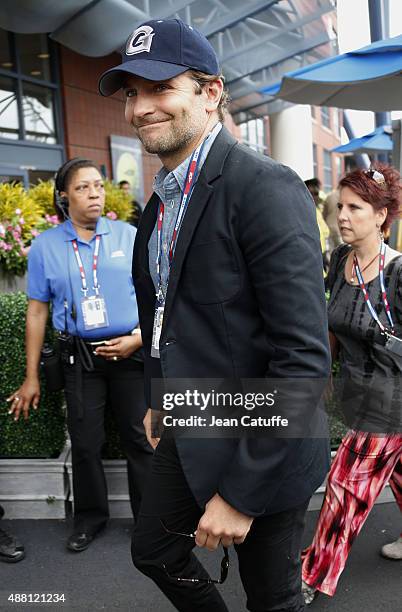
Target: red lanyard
x=383, y=290
x=189, y=184
x=84, y=287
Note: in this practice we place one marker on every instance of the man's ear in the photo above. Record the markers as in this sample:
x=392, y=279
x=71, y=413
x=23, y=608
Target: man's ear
x=213, y=90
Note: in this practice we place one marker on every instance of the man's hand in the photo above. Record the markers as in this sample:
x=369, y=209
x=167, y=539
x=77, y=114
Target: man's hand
x=221, y=523
x=148, y=429
x=119, y=348
x=27, y=394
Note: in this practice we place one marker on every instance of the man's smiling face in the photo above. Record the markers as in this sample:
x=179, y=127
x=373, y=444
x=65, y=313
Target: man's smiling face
x=168, y=116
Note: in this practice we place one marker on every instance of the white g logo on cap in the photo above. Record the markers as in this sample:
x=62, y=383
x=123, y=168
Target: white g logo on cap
x=140, y=40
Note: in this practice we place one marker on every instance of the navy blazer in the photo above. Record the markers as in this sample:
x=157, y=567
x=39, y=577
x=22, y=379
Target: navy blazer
x=245, y=300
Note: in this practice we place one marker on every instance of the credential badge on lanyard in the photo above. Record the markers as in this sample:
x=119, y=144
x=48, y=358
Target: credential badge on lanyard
x=93, y=307
x=392, y=343
x=191, y=178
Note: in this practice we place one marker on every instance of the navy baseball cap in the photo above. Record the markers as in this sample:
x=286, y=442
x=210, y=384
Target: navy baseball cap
x=159, y=50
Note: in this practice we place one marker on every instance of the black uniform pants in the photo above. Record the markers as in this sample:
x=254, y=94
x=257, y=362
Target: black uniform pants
x=119, y=384
x=269, y=558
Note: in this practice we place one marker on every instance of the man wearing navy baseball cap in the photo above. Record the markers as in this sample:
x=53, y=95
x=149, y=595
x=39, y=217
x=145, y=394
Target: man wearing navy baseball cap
x=228, y=274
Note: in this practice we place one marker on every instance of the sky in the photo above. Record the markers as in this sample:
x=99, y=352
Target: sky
x=353, y=33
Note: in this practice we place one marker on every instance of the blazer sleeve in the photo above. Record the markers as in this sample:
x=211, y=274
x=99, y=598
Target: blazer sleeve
x=279, y=239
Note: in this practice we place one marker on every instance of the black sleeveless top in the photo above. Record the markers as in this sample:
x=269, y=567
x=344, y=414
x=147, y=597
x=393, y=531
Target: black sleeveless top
x=370, y=382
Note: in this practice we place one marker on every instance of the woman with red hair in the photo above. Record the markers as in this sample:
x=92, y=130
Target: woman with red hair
x=365, y=322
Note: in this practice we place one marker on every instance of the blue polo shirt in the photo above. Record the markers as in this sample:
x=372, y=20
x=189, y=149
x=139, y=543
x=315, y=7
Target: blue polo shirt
x=53, y=276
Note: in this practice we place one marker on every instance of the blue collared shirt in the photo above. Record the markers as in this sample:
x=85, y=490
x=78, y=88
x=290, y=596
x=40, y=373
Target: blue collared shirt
x=169, y=187
x=53, y=276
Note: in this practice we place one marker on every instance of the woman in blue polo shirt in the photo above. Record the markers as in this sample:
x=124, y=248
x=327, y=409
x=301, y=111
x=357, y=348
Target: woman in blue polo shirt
x=83, y=268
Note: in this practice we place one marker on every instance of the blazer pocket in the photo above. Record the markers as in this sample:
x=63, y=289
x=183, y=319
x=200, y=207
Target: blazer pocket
x=211, y=274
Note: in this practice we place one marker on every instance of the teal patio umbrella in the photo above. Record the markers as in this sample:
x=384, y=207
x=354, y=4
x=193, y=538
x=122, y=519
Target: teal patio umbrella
x=379, y=141
x=366, y=79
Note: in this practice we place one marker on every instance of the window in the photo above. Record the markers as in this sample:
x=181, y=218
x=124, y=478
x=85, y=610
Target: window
x=325, y=120
x=338, y=163
x=37, y=107
x=337, y=129
x=327, y=171
x=12, y=178
x=34, y=56
x=253, y=134
x=6, y=60
x=27, y=89
x=9, y=123
x=34, y=176
x=315, y=161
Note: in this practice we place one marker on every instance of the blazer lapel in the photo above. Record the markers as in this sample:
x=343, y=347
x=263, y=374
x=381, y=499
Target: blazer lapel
x=203, y=190
x=148, y=221
x=199, y=199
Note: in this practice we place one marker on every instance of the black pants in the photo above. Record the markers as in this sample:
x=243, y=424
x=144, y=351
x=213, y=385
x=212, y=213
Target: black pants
x=119, y=384
x=269, y=559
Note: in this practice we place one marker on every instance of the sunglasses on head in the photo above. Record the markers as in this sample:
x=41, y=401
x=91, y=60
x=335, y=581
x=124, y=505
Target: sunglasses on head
x=375, y=176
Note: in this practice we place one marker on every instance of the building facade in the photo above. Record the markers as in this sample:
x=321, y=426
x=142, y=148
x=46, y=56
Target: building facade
x=326, y=125
x=50, y=111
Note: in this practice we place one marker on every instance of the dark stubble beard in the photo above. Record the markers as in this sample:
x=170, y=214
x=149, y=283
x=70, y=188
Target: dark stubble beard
x=176, y=136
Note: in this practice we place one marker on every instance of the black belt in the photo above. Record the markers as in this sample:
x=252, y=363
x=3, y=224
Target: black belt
x=96, y=341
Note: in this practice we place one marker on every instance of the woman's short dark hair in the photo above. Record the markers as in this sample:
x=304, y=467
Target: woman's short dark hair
x=386, y=193
x=62, y=180
x=201, y=79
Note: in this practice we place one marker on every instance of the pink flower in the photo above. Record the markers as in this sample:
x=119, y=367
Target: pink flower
x=18, y=211
x=35, y=233
x=111, y=215
x=22, y=221
x=16, y=234
x=2, y=230
x=54, y=219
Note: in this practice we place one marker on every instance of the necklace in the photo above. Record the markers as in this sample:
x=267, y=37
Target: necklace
x=352, y=280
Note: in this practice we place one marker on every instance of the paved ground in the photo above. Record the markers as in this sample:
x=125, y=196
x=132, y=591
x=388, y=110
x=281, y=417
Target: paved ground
x=102, y=578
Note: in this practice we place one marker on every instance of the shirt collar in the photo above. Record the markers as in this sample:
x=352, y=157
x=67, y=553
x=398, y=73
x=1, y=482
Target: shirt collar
x=102, y=227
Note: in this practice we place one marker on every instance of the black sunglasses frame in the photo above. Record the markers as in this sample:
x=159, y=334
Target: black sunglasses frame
x=224, y=562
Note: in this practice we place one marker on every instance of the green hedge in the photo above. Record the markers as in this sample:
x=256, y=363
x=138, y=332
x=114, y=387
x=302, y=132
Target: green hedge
x=44, y=433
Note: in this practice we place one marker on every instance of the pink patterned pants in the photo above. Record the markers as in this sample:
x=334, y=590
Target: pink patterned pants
x=362, y=467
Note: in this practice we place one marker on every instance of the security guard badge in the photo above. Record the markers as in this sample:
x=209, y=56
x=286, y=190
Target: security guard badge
x=94, y=312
